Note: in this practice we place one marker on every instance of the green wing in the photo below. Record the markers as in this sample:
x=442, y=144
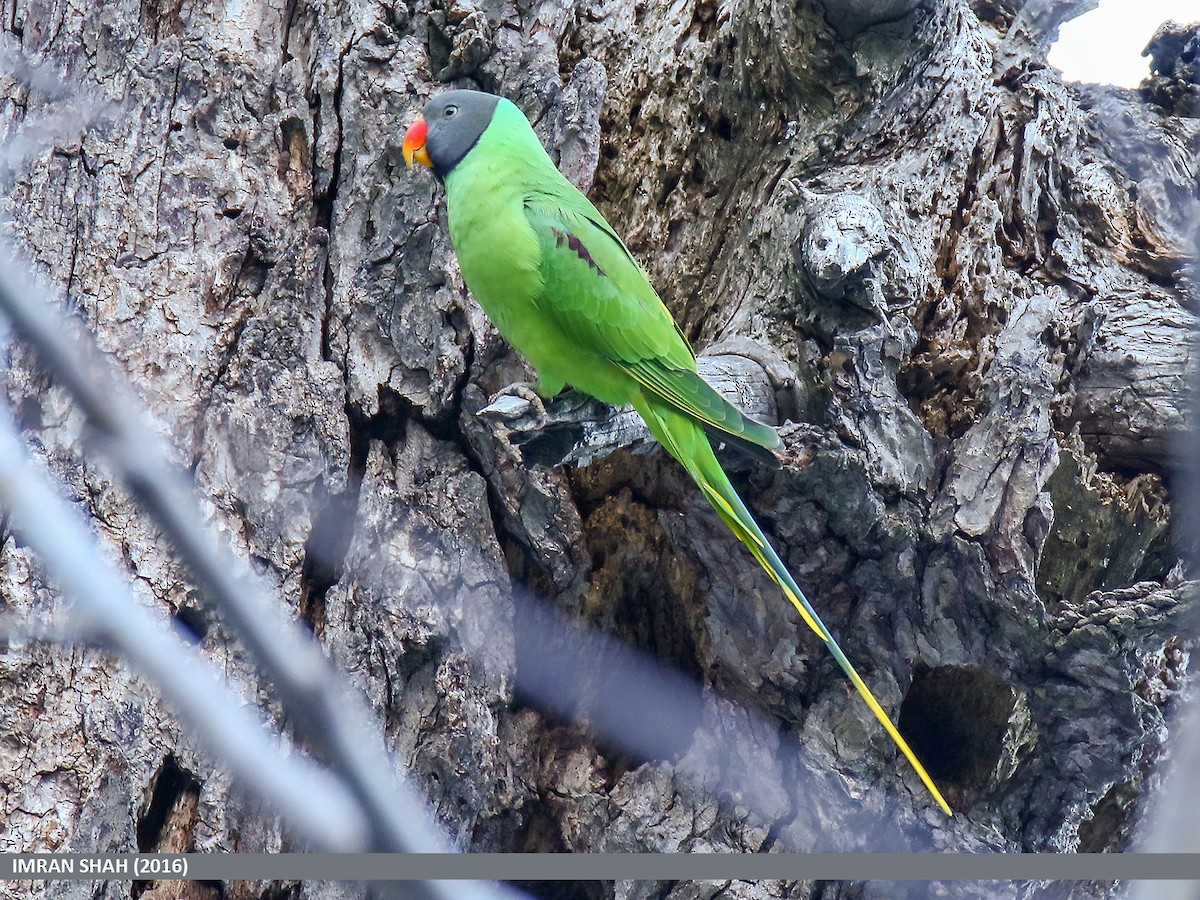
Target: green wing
x=601, y=300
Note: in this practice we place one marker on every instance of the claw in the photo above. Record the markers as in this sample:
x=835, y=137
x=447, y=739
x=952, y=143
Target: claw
x=517, y=401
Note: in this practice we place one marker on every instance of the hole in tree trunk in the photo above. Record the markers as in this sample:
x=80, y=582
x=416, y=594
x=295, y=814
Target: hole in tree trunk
x=167, y=824
x=968, y=727
x=175, y=790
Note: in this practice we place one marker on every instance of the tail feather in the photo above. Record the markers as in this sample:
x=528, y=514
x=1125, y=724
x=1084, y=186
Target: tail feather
x=686, y=441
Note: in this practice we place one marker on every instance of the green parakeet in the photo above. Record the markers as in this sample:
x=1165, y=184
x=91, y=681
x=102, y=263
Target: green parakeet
x=562, y=287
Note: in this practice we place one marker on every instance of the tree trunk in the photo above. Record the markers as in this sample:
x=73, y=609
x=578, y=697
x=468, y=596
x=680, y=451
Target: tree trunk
x=962, y=281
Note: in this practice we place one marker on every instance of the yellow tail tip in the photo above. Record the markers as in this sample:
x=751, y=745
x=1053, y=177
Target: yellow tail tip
x=894, y=733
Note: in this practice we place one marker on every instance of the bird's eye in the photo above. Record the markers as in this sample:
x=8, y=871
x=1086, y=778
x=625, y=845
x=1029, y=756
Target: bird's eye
x=450, y=111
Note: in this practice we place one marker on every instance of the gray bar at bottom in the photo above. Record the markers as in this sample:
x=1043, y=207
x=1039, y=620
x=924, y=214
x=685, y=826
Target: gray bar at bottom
x=606, y=866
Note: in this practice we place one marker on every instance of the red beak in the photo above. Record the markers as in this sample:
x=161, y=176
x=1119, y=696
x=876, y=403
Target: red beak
x=414, y=143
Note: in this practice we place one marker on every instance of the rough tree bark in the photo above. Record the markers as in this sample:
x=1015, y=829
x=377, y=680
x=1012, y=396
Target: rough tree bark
x=963, y=281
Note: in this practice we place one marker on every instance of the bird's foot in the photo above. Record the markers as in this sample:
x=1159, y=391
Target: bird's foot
x=519, y=401
x=795, y=192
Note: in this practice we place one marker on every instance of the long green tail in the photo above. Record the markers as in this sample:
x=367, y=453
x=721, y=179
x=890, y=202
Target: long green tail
x=688, y=443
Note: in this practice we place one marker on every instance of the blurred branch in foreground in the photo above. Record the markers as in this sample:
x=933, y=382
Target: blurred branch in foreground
x=1169, y=823
x=322, y=709
x=313, y=803
x=651, y=711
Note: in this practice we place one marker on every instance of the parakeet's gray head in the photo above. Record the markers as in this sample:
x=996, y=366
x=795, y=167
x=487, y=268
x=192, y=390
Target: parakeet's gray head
x=447, y=129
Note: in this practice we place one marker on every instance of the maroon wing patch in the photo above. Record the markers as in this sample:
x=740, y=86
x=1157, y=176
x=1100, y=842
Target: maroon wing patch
x=576, y=245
